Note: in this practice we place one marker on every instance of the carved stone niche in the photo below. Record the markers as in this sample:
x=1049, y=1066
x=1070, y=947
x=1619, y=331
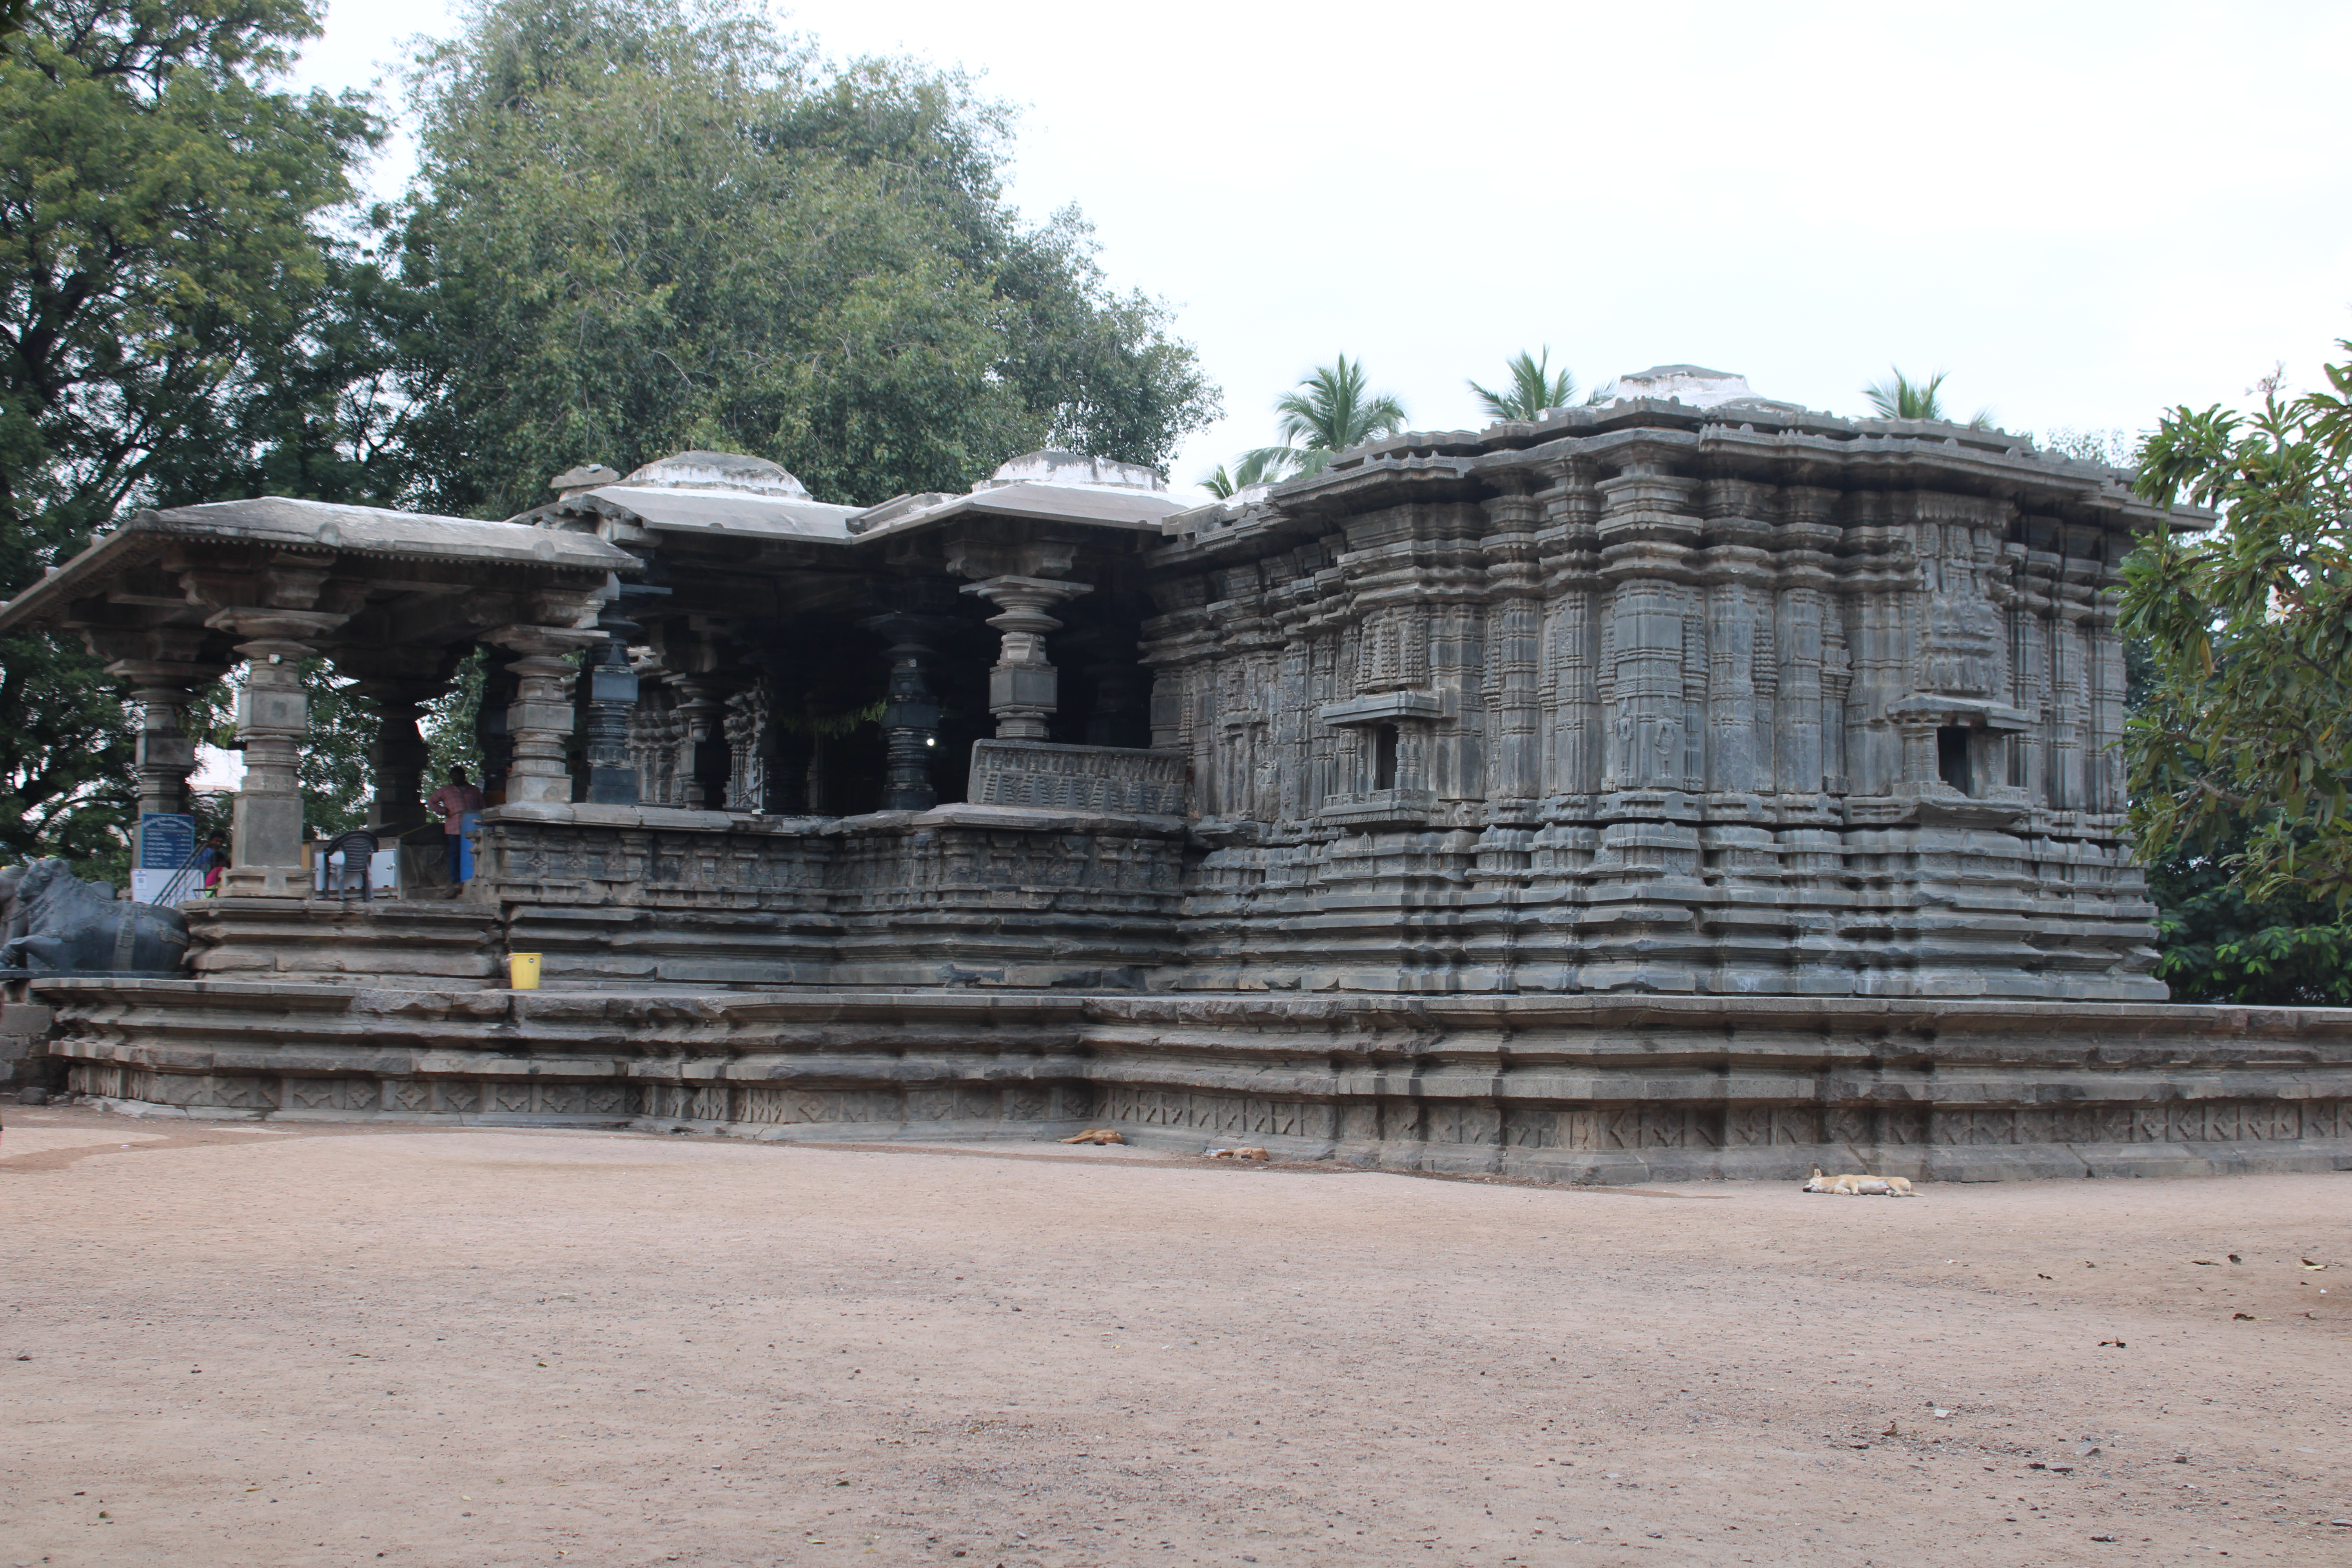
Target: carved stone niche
x=1393, y=732
x=1958, y=749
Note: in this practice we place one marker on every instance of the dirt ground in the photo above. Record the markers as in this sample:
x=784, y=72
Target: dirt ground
x=344, y=1345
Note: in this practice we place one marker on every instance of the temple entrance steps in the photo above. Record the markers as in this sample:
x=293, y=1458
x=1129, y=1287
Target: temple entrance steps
x=448, y=945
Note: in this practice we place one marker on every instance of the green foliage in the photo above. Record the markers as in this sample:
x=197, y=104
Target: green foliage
x=1535, y=387
x=2243, y=737
x=1330, y=411
x=2220, y=946
x=65, y=787
x=642, y=227
x=166, y=307
x=1900, y=397
x=450, y=737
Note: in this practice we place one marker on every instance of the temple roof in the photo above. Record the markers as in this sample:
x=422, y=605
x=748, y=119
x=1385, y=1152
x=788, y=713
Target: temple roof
x=283, y=523
x=1048, y=485
x=729, y=493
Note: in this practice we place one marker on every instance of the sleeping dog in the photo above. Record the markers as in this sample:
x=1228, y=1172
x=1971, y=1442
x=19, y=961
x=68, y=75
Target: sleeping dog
x=1861, y=1186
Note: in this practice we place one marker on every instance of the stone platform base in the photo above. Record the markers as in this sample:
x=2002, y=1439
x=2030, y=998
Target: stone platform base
x=1574, y=1089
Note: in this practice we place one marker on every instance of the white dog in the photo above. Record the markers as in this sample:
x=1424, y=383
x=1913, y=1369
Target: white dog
x=1860, y=1185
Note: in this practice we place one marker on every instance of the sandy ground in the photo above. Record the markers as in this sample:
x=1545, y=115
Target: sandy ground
x=352, y=1346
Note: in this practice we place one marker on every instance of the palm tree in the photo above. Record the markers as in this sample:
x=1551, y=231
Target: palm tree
x=1222, y=484
x=1535, y=387
x=1328, y=413
x=1902, y=398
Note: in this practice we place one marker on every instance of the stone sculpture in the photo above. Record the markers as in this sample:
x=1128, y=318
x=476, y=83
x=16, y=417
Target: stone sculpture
x=58, y=924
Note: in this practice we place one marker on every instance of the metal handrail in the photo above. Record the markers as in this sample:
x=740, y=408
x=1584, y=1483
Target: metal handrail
x=177, y=885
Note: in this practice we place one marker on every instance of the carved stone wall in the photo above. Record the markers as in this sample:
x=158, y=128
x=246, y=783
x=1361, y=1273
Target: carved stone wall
x=1077, y=778
x=1707, y=704
x=1585, y=1089
x=963, y=895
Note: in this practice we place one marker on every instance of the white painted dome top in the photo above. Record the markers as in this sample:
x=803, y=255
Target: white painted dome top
x=721, y=471
x=1072, y=470
x=1693, y=384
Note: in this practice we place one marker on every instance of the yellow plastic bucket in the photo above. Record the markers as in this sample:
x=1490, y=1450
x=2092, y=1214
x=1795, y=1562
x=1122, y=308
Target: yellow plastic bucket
x=522, y=971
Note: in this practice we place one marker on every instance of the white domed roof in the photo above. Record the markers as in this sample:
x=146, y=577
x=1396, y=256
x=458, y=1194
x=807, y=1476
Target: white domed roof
x=719, y=470
x=1072, y=470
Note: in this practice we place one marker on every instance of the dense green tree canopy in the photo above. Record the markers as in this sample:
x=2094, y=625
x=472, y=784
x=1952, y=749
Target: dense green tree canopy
x=164, y=281
x=642, y=227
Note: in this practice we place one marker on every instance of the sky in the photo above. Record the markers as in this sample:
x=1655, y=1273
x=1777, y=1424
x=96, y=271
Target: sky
x=2085, y=213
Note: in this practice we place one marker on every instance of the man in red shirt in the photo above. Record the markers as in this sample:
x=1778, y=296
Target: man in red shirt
x=452, y=803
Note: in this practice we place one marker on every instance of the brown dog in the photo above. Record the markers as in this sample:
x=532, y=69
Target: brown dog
x=1095, y=1135
x=1239, y=1155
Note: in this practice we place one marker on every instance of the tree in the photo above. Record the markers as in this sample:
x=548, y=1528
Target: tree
x=1902, y=398
x=2219, y=946
x=1324, y=415
x=1535, y=387
x=641, y=225
x=2244, y=733
x=165, y=289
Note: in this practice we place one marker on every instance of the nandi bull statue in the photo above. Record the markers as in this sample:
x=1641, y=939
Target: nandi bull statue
x=53, y=922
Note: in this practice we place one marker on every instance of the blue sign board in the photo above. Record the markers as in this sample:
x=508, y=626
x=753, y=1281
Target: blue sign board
x=166, y=839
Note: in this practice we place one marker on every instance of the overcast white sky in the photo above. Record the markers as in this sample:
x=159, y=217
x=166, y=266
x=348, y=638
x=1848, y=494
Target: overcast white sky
x=2085, y=212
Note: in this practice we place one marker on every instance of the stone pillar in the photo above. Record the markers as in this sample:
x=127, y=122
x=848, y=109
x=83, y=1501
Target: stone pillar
x=747, y=746
x=490, y=731
x=1118, y=693
x=1023, y=690
x=166, y=753
x=702, y=744
x=538, y=721
x=398, y=755
x=272, y=717
x=910, y=723
x=611, y=702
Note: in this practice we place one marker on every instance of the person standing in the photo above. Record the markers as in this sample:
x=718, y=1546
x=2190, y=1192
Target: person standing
x=213, y=860
x=453, y=802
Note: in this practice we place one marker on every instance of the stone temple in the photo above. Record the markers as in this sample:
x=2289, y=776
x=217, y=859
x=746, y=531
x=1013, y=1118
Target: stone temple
x=1691, y=784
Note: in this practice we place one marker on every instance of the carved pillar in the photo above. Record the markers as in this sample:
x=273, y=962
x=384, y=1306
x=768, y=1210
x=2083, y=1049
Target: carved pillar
x=272, y=717
x=490, y=731
x=166, y=753
x=160, y=666
x=1118, y=694
x=611, y=701
x=1023, y=690
x=398, y=756
x=748, y=744
x=701, y=744
x=538, y=721
x=910, y=723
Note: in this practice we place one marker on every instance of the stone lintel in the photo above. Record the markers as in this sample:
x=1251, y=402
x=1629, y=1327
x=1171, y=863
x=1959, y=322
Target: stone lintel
x=1383, y=708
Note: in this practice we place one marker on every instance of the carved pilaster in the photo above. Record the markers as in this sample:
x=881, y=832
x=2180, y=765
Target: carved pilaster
x=1647, y=531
